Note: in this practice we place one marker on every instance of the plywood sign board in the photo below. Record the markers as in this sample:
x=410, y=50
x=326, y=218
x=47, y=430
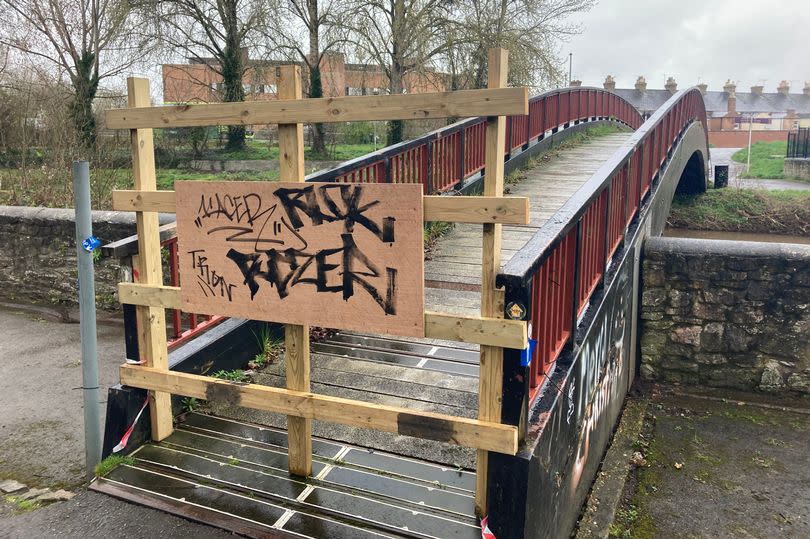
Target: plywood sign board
x=344, y=256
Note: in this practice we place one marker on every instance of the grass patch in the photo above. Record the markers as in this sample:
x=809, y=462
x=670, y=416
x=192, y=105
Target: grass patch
x=767, y=159
x=433, y=231
x=236, y=375
x=259, y=150
x=112, y=462
x=22, y=506
x=744, y=210
x=269, y=349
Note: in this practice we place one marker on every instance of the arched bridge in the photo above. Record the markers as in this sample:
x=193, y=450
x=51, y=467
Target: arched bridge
x=572, y=272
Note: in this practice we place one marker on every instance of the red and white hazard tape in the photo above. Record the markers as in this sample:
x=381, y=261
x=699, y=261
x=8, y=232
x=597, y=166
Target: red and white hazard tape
x=486, y=533
x=123, y=443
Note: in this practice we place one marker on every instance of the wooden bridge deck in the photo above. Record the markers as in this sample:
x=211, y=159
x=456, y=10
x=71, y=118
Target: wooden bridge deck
x=425, y=374
x=230, y=469
x=453, y=273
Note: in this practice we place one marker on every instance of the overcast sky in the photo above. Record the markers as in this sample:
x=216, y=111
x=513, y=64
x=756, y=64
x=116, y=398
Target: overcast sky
x=747, y=41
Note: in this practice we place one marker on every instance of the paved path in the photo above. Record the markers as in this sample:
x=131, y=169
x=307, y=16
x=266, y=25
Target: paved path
x=42, y=436
x=722, y=156
x=456, y=260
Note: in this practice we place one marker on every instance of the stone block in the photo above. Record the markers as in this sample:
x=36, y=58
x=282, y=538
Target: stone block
x=711, y=338
x=799, y=381
x=653, y=297
x=737, y=339
x=707, y=311
x=721, y=296
x=711, y=359
x=772, y=379
x=687, y=335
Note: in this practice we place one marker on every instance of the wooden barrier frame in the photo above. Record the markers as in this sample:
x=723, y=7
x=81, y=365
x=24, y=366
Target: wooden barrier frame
x=489, y=330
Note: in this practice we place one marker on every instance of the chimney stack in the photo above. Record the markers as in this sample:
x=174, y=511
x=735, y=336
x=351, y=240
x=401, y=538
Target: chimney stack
x=641, y=84
x=730, y=88
x=671, y=85
x=575, y=83
x=609, y=83
x=807, y=88
x=757, y=90
x=783, y=88
x=703, y=87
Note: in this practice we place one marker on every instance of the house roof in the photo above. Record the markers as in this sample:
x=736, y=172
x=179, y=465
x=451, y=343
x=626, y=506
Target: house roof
x=717, y=102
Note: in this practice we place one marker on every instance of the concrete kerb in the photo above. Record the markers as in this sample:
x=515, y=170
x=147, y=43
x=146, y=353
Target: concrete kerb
x=606, y=494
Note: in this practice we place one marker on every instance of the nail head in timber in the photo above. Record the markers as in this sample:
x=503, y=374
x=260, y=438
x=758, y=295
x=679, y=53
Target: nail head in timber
x=345, y=256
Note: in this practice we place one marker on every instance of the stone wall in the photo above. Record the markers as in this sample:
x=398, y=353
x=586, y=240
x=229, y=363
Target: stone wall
x=726, y=314
x=797, y=168
x=38, y=256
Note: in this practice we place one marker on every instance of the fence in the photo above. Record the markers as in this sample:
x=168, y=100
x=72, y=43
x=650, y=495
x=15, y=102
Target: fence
x=564, y=264
x=798, y=145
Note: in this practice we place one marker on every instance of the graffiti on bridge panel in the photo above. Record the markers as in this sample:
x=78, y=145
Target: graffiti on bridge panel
x=346, y=256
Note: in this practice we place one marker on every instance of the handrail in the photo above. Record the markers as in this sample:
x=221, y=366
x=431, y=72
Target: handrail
x=564, y=263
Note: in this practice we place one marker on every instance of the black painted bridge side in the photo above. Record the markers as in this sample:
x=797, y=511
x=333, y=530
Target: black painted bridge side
x=539, y=493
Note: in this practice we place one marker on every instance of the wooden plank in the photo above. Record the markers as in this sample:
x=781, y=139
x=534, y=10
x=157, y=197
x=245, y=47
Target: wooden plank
x=345, y=256
x=404, y=421
x=131, y=200
x=490, y=380
x=451, y=327
x=152, y=321
x=461, y=209
x=455, y=209
x=296, y=337
x=330, y=109
x=473, y=329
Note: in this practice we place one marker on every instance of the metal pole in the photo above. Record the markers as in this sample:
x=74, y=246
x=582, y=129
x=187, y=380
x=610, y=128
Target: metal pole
x=87, y=309
x=750, y=125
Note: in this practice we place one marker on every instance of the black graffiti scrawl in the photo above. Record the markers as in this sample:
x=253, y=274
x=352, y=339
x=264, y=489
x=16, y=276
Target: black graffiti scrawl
x=334, y=240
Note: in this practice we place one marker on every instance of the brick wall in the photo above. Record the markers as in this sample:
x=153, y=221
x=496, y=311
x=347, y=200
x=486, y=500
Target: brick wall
x=726, y=314
x=739, y=139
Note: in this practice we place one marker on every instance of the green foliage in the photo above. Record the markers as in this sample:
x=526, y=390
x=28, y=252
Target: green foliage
x=434, y=230
x=236, y=375
x=357, y=132
x=744, y=210
x=767, y=159
x=269, y=348
x=112, y=462
x=190, y=404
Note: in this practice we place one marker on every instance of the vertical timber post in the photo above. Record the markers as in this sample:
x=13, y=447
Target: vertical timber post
x=151, y=320
x=490, y=388
x=296, y=338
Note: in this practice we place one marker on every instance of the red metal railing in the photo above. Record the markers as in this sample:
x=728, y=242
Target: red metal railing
x=184, y=326
x=443, y=159
x=567, y=259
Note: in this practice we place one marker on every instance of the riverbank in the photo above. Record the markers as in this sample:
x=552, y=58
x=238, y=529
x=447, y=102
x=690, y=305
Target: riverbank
x=756, y=211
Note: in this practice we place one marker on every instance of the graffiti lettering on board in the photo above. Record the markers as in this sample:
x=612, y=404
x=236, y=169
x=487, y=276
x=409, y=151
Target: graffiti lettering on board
x=346, y=256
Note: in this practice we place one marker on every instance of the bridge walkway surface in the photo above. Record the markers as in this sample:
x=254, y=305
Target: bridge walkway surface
x=229, y=468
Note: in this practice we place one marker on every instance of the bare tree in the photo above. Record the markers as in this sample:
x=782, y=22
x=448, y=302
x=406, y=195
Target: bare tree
x=530, y=29
x=85, y=40
x=318, y=21
x=401, y=37
x=214, y=32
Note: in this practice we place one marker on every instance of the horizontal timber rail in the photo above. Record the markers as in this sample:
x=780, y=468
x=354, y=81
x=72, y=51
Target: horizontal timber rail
x=561, y=267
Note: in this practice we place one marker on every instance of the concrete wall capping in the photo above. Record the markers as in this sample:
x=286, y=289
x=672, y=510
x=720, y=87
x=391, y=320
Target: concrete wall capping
x=726, y=314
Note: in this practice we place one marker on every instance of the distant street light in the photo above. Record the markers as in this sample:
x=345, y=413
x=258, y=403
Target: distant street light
x=570, y=63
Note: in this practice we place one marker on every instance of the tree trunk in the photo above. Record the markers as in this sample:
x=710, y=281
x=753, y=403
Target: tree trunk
x=315, y=83
x=395, y=127
x=85, y=85
x=233, y=68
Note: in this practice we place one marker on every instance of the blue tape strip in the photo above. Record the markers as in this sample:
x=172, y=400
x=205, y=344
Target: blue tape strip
x=91, y=244
x=527, y=353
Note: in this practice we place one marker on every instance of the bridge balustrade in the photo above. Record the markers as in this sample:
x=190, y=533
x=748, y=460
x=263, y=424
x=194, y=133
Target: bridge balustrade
x=444, y=159
x=563, y=265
